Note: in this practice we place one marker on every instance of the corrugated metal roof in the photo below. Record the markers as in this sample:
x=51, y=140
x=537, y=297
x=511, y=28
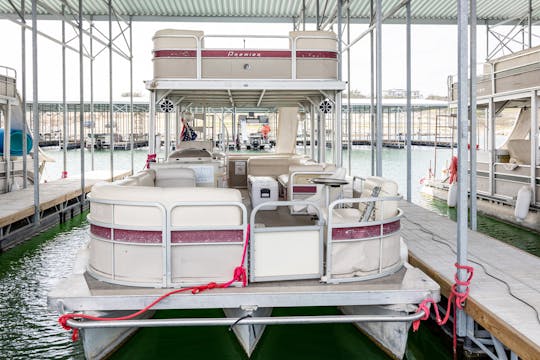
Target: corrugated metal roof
x=426, y=11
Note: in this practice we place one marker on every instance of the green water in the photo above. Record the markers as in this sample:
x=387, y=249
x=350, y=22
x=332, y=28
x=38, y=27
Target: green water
x=27, y=273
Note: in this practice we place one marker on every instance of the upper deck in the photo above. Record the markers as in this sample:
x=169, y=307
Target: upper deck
x=186, y=70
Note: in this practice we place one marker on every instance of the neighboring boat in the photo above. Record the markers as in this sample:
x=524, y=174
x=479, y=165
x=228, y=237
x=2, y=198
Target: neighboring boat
x=187, y=231
x=12, y=164
x=508, y=176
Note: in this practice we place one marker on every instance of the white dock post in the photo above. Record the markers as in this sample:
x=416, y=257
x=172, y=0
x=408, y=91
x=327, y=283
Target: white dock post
x=81, y=102
x=111, y=113
x=409, y=125
x=378, y=20
x=23, y=104
x=472, y=102
x=35, y=112
x=534, y=139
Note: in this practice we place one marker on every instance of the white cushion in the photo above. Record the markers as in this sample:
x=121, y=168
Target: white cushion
x=175, y=177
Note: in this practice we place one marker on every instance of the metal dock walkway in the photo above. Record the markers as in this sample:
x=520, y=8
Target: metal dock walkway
x=505, y=290
x=58, y=197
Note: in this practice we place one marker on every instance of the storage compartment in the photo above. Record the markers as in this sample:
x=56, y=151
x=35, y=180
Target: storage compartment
x=316, y=54
x=262, y=189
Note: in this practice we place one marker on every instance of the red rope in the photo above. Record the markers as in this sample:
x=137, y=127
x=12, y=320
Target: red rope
x=239, y=274
x=456, y=297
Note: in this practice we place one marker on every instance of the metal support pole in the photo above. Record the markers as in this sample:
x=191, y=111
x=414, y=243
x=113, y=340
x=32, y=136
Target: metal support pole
x=35, y=112
x=378, y=77
x=7, y=146
x=338, y=131
x=491, y=144
x=23, y=104
x=312, y=131
x=131, y=124
x=303, y=15
x=111, y=113
x=81, y=99
x=409, y=117
x=318, y=27
x=472, y=102
x=65, y=123
x=462, y=153
x=321, y=120
x=372, y=92
x=534, y=139
x=92, y=119
x=530, y=24
x=167, y=133
x=152, y=124
x=349, y=123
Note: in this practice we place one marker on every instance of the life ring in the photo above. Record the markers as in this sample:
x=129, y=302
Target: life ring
x=453, y=170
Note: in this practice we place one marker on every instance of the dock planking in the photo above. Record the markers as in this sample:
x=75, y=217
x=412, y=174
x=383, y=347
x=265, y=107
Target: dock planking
x=19, y=205
x=505, y=282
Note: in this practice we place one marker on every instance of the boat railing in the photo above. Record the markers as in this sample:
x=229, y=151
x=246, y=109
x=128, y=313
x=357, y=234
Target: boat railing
x=8, y=81
x=136, y=243
x=285, y=252
x=365, y=249
x=246, y=53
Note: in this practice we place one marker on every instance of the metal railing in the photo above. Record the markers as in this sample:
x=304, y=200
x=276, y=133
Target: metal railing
x=8, y=82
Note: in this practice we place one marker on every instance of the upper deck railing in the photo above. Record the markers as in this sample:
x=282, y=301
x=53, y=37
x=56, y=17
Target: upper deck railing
x=8, y=82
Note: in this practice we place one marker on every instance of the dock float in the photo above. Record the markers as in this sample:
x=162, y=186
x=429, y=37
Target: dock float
x=504, y=294
x=59, y=201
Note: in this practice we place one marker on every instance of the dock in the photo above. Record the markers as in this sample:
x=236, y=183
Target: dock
x=59, y=201
x=505, y=290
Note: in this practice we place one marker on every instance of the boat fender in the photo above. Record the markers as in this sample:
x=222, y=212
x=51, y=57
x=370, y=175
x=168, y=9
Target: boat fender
x=523, y=201
x=451, y=200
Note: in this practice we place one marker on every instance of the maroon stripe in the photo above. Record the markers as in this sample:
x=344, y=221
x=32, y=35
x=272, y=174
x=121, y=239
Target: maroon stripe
x=138, y=236
x=317, y=54
x=207, y=236
x=364, y=231
x=102, y=232
x=251, y=54
x=175, y=53
x=304, y=189
x=242, y=53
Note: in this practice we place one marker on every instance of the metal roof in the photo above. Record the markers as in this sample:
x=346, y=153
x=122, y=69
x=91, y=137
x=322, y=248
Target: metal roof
x=423, y=11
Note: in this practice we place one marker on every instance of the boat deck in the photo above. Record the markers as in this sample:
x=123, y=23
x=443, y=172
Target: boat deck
x=505, y=290
x=17, y=208
x=409, y=285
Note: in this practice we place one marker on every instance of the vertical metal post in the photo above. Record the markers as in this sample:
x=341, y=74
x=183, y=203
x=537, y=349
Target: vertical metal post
x=204, y=125
x=378, y=77
x=409, y=118
x=65, y=123
x=35, y=112
x=487, y=40
x=167, y=133
x=81, y=99
x=111, y=113
x=223, y=145
x=177, y=126
x=131, y=124
x=23, y=105
x=338, y=131
x=7, y=146
x=92, y=119
x=491, y=144
x=317, y=26
x=152, y=124
x=303, y=15
x=349, y=123
x=534, y=139
x=321, y=120
x=530, y=24
x=372, y=91
x=462, y=152
x=312, y=131
x=472, y=102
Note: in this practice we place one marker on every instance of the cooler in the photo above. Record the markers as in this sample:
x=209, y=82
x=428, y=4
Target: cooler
x=262, y=189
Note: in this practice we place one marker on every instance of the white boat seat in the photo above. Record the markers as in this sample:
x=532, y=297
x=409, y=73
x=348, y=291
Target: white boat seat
x=175, y=177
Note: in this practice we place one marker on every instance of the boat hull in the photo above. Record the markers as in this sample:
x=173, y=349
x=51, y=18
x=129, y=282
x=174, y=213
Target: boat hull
x=100, y=343
x=391, y=337
x=500, y=210
x=248, y=335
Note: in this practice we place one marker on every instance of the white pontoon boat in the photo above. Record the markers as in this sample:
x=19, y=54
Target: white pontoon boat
x=282, y=230
x=508, y=176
